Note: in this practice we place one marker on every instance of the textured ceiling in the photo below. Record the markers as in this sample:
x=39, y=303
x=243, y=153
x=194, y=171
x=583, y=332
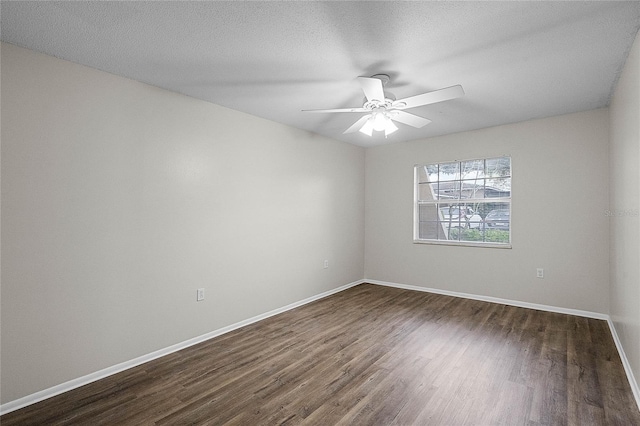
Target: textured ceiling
x=515, y=60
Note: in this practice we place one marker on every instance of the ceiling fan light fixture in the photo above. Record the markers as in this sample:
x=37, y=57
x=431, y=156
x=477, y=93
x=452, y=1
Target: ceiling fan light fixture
x=380, y=121
x=367, y=129
x=390, y=128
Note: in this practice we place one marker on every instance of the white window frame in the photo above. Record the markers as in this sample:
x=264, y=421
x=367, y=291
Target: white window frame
x=437, y=201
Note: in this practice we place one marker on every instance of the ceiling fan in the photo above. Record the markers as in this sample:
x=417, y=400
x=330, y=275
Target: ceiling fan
x=383, y=108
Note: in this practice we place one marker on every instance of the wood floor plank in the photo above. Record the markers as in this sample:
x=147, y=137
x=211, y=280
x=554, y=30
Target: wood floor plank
x=371, y=355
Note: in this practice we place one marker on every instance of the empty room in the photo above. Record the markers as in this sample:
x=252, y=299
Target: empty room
x=319, y=213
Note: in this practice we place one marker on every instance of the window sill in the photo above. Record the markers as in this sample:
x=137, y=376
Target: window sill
x=463, y=244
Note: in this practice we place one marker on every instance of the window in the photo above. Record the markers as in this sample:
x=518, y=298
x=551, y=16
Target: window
x=464, y=203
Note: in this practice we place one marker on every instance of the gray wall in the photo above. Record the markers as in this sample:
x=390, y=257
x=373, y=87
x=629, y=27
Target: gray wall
x=559, y=196
x=624, y=207
x=119, y=200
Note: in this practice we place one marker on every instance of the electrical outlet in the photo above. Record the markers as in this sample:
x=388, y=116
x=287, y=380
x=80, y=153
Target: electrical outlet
x=326, y=264
x=539, y=273
x=200, y=294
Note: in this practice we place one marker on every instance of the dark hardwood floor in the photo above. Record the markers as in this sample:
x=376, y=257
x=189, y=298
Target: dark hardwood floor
x=371, y=355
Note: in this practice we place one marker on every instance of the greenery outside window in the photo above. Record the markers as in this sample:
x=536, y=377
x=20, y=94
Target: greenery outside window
x=464, y=203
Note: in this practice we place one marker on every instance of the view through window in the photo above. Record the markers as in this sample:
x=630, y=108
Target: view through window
x=464, y=202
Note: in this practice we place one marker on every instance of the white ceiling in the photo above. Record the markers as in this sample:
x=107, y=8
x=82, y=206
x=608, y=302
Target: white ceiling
x=515, y=60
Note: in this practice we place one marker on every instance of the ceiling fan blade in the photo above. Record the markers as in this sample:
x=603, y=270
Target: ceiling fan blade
x=410, y=119
x=452, y=92
x=359, y=109
x=372, y=88
x=358, y=124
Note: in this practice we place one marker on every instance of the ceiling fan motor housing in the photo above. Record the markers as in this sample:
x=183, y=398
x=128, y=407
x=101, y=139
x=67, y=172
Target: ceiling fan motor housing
x=382, y=77
x=387, y=103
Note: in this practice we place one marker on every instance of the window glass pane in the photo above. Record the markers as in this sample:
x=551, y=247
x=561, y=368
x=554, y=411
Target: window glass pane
x=422, y=173
x=427, y=212
x=496, y=167
x=426, y=192
x=475, y=224
x=430, y=231
x=454, y=234
x=427, y=182
x=499, y=218
x=435, y=191
x=449, y=190
x=483, y=209
x=472, y=234
x=442, y=232
x=449, y=213
x=472, y=169
x=462, y=213
x=498, y=187
x=496, y=236
x=432, y=172
x=449, y=230
x=449, y=171
x=472, y=188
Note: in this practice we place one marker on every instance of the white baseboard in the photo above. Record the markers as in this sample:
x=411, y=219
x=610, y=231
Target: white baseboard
x=84, y=380
x=109, y=371
x=509, y=302
x=625, y=362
